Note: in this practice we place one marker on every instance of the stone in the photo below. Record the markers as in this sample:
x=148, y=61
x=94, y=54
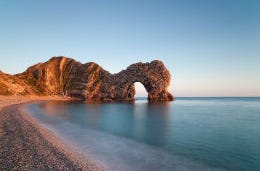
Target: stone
x=66, y=77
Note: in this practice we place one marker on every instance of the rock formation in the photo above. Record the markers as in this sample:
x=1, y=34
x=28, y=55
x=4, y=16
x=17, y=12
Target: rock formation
x=67, y=77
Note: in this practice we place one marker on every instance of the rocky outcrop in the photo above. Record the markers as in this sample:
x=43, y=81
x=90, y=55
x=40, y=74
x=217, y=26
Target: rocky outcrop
x=12, y=85
x=67, y=77
x=154, y=76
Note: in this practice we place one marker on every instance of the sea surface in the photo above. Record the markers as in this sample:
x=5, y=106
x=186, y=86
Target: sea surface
x=187, y=134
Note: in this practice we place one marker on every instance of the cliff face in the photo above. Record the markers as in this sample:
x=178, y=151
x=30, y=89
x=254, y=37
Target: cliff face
x=12, y=85
x=65, y=76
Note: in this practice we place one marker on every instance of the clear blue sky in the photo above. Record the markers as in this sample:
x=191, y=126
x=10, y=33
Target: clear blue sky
x=211, y=47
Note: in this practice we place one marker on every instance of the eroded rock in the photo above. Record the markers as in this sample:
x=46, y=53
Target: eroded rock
x=65, y=76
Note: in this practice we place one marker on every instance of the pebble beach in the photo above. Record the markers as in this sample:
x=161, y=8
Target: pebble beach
x=25, y=145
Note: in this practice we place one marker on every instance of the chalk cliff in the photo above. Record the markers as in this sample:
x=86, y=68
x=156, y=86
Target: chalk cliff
x=67, y=77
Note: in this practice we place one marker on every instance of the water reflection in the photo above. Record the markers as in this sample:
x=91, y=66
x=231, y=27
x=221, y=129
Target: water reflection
x=55, y=109
x=223, y=132
x=151, y=122
x=141, y=120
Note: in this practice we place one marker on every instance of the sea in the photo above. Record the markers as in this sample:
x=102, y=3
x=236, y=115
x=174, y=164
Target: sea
x=190, y=133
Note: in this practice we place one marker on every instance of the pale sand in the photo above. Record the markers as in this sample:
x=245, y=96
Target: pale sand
x=26, y=145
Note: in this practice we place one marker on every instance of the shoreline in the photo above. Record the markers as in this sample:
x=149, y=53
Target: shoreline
x=26, y=145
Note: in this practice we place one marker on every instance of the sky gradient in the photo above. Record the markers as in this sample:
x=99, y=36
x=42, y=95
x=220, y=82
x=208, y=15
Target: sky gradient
x=211, y=47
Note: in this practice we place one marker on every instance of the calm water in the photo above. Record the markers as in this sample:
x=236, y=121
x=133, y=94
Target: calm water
x=187, y=134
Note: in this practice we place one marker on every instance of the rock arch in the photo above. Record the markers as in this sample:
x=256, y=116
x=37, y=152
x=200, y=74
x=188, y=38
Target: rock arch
x=65, y=76
x=154, y=76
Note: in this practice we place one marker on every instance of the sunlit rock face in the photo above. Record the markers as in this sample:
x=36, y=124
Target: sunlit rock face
x=67, y=77
x=154, y=76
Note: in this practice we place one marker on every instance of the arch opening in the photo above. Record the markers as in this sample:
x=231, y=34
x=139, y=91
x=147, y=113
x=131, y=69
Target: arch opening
x=140, y=91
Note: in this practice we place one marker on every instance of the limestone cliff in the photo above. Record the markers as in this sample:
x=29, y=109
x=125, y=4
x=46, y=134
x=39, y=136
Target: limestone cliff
x=67, y=77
